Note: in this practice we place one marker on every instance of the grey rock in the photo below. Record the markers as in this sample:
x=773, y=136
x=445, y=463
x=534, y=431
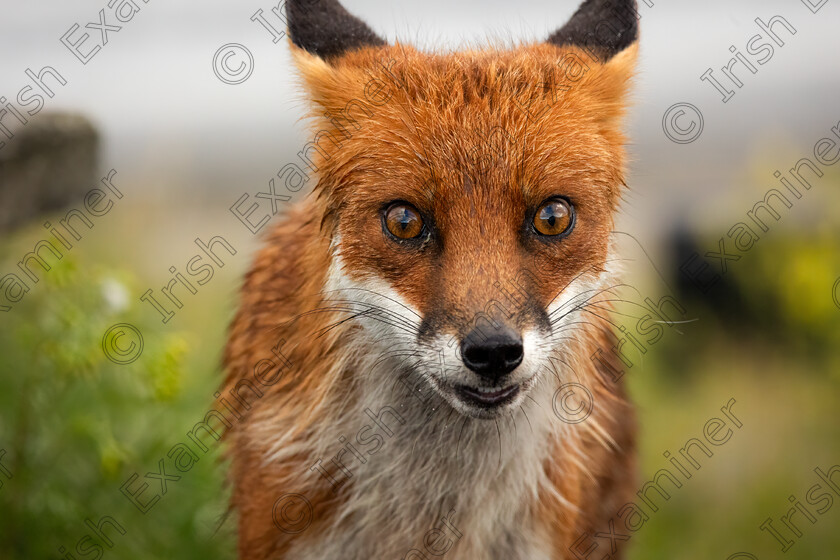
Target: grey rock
x=50, y=163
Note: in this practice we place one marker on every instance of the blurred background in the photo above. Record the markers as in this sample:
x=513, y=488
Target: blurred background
x=185, y=145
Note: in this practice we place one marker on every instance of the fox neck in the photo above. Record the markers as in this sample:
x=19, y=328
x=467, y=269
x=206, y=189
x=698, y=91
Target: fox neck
x=429, y=461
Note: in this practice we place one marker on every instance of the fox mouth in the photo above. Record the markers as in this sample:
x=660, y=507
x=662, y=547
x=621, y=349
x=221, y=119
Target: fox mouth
x=487, y=397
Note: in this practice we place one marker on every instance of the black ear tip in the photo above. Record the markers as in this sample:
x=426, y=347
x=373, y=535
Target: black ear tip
x=326, y=29
x=602, y=27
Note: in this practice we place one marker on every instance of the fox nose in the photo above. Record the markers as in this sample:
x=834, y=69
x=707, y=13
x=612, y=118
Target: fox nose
x=492, y=355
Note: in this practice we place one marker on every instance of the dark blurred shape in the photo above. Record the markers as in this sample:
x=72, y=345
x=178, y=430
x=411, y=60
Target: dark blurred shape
x=722, y=296
x=50, y=163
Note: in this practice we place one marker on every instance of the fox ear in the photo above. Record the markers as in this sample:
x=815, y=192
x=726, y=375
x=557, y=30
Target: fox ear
x=324, y=28
x=603, y=28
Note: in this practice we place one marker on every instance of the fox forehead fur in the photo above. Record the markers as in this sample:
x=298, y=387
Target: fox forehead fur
x=365, y=436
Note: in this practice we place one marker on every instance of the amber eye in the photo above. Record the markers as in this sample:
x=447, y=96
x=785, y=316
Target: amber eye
x=403, y=221
x=554, y=217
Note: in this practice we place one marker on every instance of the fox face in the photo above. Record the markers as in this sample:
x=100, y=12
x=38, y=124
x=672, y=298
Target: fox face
x=468, y=197
x=455, y=249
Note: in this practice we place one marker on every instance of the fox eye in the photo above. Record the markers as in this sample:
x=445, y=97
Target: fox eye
x=403, y=221
x=554, y=217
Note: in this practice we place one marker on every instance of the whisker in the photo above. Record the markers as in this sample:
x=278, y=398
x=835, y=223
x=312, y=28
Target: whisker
x=378, y=295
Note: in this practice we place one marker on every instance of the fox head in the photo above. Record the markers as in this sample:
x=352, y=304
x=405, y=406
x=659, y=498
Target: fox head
x=468, y=197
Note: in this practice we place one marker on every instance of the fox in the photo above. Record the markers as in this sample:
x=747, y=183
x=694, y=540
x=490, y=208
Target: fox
x=433, y=305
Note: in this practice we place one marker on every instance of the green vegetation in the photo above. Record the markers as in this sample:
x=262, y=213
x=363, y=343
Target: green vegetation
x=75, y=426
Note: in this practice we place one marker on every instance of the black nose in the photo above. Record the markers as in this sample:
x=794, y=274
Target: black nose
x=492, y=354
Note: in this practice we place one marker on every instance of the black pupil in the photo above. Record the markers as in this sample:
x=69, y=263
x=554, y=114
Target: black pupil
x=549, y=214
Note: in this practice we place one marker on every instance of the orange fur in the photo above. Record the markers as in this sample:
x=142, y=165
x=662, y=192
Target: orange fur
x=432, y=144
